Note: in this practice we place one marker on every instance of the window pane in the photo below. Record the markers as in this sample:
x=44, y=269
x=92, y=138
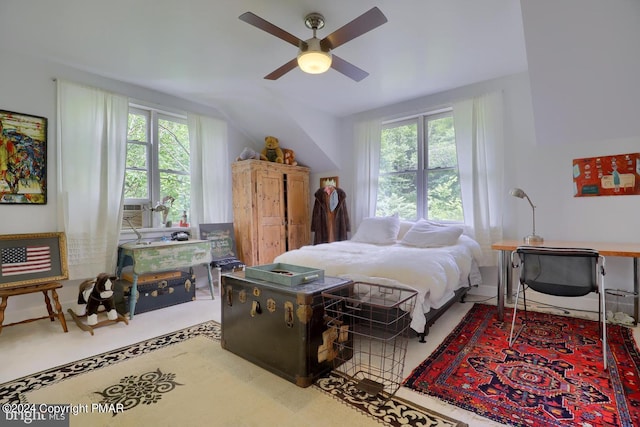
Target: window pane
x=136, y=156
x=397, y=190
x=136, y=180
x=397, y=193
x=399, y=148
x=173, y=146
x=178, y=187
x=136, y=185
x=157, y=163
x=443, y=194
x=419, y=169
x=137, y=130
x=441, y=143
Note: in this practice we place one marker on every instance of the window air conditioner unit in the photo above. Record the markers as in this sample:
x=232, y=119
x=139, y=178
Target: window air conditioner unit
x=135, y=214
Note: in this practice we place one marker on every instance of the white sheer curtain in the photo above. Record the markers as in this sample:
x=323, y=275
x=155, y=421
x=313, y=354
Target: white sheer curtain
x=91, y=153
x=480, y=144
x=210, y=171
x=367, y=136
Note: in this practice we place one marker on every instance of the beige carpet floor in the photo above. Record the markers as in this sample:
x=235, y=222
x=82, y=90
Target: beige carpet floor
x=187, y=379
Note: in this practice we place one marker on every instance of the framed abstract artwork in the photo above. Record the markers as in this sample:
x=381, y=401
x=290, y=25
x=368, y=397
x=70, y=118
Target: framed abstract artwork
x=23, y=158
x=32, y=259
x=617, y=175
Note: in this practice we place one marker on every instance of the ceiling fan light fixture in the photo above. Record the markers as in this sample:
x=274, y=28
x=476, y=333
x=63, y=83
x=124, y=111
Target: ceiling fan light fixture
x=314, y=55
x=314, y=62
x=312, y=58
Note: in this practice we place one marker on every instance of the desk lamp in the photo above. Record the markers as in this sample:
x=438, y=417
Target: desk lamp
x=138, y=242
x=531, y=239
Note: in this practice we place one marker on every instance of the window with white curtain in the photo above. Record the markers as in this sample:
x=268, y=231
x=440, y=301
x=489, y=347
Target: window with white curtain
x=418, y=176
x=157, y=177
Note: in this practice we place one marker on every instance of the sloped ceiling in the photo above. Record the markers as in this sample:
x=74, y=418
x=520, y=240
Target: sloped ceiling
x=583, y=66
x=199, y=50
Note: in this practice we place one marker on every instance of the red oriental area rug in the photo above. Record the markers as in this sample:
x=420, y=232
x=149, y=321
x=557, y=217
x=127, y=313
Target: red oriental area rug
x=553, y=374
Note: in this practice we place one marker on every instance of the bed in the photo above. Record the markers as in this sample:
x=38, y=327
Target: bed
x=438, y=260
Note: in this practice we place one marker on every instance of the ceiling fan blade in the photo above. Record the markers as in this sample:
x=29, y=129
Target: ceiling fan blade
x=362, y=24
x=347, y=68
x=256, y=21
x=274, y=75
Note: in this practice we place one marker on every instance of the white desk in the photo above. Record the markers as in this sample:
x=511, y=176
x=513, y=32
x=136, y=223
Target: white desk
x=152, y=257
x=628, y=250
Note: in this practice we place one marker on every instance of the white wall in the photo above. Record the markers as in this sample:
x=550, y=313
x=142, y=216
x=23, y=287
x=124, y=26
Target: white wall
x=27, y=86
x=583, y=67
x=584, y=63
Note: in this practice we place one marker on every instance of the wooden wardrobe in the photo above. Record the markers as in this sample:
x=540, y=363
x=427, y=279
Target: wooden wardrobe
x=270, y=209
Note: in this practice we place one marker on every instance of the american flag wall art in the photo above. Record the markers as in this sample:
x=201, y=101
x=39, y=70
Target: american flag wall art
x=25, y=259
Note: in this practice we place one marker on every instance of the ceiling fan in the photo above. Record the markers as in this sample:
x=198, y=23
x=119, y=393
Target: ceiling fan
x=314, y=55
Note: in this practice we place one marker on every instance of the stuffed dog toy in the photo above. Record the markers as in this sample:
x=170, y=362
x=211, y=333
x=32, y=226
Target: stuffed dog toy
x=95, y=293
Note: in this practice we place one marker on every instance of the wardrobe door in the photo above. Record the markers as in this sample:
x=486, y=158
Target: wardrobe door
x=271, y=219
x=298, y=233
x=243, y=213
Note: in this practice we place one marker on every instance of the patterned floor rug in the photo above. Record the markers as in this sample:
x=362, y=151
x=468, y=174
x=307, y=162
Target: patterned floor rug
x=553, y=374
x=187, y=379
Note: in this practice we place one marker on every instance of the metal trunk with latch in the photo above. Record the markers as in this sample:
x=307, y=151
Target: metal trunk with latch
x=279, y=328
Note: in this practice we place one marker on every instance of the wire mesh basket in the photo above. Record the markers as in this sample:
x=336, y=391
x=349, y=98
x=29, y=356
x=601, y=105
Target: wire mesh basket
x=370, y=325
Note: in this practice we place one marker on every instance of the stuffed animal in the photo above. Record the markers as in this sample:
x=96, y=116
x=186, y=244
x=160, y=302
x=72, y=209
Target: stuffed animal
x=272, y=151
x=249, y=153
x=95, y=293
x=289, y=157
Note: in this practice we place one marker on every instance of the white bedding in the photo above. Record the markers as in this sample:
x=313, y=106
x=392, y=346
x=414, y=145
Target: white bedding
x=434, y=272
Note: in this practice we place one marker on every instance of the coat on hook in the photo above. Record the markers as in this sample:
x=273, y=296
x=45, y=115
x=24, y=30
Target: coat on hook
x=330, y=219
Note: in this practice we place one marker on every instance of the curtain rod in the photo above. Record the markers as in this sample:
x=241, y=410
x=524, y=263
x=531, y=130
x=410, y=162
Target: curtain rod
x=413, y=116
x=143, y=105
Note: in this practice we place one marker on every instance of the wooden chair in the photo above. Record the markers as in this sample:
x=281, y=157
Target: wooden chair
x=44, y=288
x=21, y=275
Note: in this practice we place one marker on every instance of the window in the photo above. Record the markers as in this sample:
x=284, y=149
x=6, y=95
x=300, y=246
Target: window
x=418, y=175
x=157, y=169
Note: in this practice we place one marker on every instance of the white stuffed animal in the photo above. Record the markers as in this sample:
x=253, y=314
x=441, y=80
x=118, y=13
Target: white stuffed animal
x=249, y=153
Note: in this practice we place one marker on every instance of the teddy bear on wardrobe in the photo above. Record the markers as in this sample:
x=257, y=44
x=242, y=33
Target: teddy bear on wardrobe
x=272, y=151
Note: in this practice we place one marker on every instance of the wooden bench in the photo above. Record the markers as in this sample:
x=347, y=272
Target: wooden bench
x=44, y=288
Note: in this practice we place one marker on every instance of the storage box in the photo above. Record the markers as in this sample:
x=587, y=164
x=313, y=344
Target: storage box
x=156, y=294
x=279, y=328
x=284, y=274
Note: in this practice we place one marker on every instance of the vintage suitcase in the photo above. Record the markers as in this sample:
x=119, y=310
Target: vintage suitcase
x=151, y=277
x=167, y=289
x=279, y=328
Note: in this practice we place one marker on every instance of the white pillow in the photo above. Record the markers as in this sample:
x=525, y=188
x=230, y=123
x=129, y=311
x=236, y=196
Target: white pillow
x=404, y=227
x=378, y=230
x=425, y=234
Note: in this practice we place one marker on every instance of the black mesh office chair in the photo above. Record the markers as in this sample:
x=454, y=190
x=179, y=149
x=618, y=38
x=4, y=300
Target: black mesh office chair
x=561, y=272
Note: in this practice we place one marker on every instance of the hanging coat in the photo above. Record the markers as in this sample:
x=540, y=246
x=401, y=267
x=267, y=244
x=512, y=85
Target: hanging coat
x=330, y=220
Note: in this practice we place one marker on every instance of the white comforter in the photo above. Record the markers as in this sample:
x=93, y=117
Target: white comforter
x=434, y=272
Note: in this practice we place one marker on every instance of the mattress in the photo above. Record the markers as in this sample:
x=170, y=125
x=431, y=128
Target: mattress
x=435, y=273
